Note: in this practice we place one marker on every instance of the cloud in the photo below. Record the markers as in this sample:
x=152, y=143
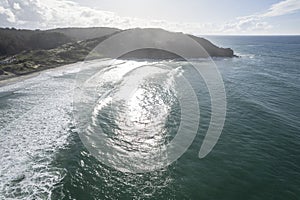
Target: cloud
x=247, y=25
x=257, y=22
x=16, y=6
x=45, y=14
x=52, y=13
x=283, y=8
x=7, y=15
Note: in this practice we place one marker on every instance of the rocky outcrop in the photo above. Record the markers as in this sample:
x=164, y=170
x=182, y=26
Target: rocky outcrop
x=212, y=49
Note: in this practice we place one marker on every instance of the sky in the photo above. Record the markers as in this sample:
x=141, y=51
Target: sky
x=200, y=17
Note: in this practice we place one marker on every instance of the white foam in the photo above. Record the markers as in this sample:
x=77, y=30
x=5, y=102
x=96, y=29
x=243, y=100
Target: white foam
x=251, y=56
x=34, y=125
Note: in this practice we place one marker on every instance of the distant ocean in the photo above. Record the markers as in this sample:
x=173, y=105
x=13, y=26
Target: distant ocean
x=256, y=157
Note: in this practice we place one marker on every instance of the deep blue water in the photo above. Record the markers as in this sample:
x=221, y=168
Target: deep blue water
x=256, y=157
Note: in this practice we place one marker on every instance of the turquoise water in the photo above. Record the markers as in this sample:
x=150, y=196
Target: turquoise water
x=256, y=157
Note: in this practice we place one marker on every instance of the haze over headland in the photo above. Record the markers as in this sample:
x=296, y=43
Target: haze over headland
x=192, y=16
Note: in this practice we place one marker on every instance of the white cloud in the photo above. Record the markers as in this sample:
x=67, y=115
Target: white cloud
x=283, y=8
x=7, y=15
x=63, y=13
x=257, y=22
x=16, y=6
x=247, y=25
x=46, y=14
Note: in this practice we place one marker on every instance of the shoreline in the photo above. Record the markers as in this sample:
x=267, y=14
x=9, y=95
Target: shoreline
x=16, y=78
x=11, y=79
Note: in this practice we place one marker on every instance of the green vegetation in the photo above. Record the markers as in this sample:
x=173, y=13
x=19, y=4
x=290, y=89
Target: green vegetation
x=27, y=51
x=14, y=41
x=35, y=60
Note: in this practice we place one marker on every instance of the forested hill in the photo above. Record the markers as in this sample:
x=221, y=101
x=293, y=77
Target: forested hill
x=80, y=34
x=13, y=41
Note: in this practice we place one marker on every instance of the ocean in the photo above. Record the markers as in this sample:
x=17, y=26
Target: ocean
x=44, y=119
